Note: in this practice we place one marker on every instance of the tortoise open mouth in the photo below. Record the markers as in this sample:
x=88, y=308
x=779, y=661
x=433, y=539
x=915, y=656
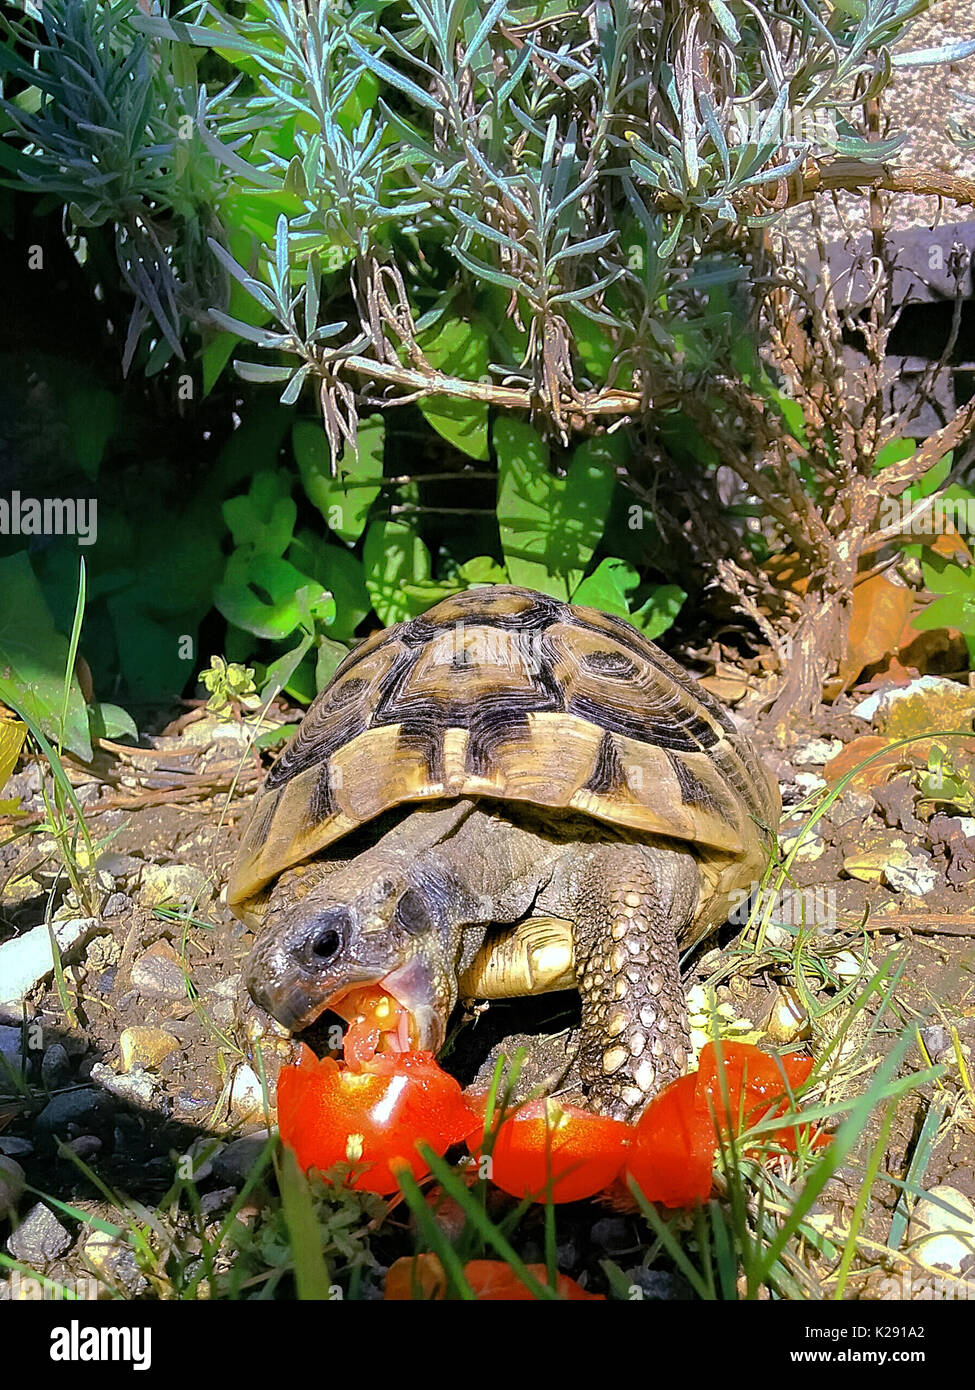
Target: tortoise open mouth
x=401, y=1008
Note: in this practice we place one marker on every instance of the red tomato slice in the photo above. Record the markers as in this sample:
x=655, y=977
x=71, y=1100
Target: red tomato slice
x=753, y=1078
x=494, y=1282
x=755, y=1081
x=672, y=1153
x=491, y=1280
x=328, y=1114
x=546, y=1139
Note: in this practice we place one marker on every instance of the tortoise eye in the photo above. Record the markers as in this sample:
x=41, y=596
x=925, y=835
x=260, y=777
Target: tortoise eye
x=411, y=912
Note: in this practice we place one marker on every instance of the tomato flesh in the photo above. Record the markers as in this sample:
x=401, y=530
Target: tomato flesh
x=376, y=1022
x=676, y=1140
x=672, y=1153
x=492, y=1281
x=329, y=1114
x=547, y=1141
x=376, y=1104
x=753, y=1079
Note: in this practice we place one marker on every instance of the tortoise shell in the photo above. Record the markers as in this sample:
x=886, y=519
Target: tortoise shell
x=506, y=693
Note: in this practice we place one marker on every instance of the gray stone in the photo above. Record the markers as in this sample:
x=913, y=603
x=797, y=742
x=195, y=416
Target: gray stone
x=226, y=988
x=157, y=975
x=11, y=1186
x=852, y=805
x=776, y=935
x=12, y=1058
x=567, y=1255
x=40, y=1238
x=942, y=1230
x=811, y=845
x=80, y=1107
x=136, y=1086
x=25, y=783
x=120, y=865
x=234, y=1164
x=86, y=1145
x=115, y=1261
x=14, y=1147
x=613, y=1234
x=222, y=1011
x=188, y=1105
x=935, y=1039
x=659, y=1284
x=102, y=953
x=115, y=905
x=55, y=1065
x=202, y=1154
x=917, y=876
x=817, y=752
x=212, y=1202
x=179, y=883
x=875, y=708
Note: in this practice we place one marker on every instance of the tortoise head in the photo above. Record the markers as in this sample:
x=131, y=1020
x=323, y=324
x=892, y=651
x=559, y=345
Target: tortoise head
x=331, y=928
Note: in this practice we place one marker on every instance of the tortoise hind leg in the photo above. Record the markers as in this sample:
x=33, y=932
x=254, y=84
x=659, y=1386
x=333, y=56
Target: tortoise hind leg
x=631, y=906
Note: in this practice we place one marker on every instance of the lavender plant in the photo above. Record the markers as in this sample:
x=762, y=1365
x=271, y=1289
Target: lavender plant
x=477, y=206
x=584, y=162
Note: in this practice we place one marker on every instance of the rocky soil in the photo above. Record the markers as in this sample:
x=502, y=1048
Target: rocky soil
x=134, y=1068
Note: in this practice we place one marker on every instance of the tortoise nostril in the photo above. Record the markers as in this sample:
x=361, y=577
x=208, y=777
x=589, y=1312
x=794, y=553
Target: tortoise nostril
x=326, y=944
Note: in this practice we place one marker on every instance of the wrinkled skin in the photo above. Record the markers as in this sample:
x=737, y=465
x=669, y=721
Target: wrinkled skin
x=411, y=911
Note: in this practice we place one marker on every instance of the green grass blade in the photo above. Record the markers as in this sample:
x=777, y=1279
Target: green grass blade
x=841, y=1146
x=920, y=1158
x=79, y=617
x=664, y=1234
x=455, y=1187
x=434, y=1236
x=863, y=1199
x=311, y=1271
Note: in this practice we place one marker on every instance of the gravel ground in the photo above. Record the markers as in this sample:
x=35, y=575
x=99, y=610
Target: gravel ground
x=919, y=101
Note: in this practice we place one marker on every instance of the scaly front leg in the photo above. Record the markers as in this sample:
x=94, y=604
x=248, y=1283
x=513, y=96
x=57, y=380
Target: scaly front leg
x=631, y=906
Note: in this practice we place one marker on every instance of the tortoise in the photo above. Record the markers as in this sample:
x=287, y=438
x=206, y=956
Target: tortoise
x=507, y=794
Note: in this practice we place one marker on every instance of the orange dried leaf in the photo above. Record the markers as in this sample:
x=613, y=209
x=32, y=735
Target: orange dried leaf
x=877, y=618
x=856, y=752
x=950, y=545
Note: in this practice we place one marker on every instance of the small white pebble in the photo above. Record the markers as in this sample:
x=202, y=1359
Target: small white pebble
x=817, y=752
x=246, y=1095
x=940, y=1238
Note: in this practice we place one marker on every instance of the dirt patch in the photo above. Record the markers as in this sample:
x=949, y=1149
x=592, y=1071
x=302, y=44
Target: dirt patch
x=149, y=1061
